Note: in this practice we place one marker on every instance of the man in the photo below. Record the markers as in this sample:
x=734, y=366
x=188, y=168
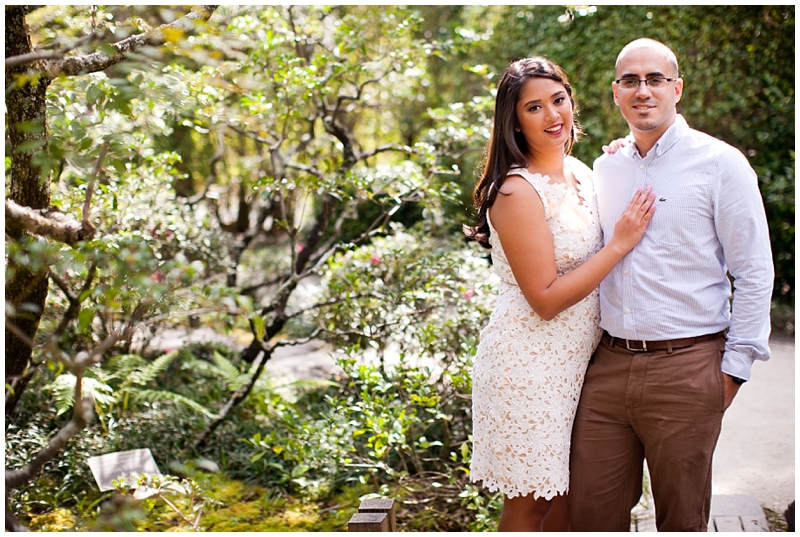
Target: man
x=675, y=350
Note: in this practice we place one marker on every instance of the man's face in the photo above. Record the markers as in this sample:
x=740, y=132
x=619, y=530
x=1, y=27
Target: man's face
x=647, y=109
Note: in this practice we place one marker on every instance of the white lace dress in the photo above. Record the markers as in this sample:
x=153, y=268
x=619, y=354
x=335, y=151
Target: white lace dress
x=528, y=372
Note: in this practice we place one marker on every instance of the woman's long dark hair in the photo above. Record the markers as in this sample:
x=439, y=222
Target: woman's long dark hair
x=507, y=147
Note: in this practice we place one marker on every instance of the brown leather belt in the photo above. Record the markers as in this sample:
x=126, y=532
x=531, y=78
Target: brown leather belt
x=637, y=345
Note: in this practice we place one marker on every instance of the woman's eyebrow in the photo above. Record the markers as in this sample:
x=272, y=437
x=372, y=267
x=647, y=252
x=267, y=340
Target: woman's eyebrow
x=556, y=94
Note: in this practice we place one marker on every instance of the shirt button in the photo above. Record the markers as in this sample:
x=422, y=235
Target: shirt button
x=642, y=166
x=627, y=310
x=627, y=272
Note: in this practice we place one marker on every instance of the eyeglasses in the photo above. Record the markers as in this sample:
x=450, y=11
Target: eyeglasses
x=652, y=82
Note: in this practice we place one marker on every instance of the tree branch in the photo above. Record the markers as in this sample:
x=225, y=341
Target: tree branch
x=212, y=166
x=31, y=57
x=331, y=302
x=82, y=415
x=16, y=387
x=87, y=203
x=11, y=327
x=301, y=341
x=273, y=144
x=328, y=202
x=50, y=223
x=303, y=168
x=359, y=90
x=12, y=524
x=100, y=61
x=238, y=396
x=74, y=307
x=384, y=148
x=251, y=289
x=97, y=353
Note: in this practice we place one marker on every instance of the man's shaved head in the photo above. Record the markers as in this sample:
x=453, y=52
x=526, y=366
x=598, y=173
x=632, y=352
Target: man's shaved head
x=652, y=44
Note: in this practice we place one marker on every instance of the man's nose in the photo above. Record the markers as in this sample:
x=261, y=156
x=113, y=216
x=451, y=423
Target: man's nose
x=642, y=88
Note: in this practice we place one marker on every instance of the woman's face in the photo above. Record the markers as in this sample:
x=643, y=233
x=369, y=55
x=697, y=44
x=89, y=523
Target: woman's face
x=544, y=114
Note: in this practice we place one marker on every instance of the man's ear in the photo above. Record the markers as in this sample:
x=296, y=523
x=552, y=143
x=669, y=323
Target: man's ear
x=615, y=89
x=678, y=90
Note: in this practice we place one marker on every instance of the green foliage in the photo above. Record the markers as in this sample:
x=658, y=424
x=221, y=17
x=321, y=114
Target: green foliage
x=408, y=290
x=121, y=385
x=63, y=388
x=184, y=497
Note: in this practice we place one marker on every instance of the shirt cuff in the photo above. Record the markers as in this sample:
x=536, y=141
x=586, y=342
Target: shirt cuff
x=737, y=364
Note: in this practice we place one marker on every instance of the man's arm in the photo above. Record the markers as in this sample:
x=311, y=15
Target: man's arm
x=741, y=226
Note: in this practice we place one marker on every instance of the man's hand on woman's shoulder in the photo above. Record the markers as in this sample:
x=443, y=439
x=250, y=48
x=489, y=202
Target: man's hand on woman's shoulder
x=614, y=146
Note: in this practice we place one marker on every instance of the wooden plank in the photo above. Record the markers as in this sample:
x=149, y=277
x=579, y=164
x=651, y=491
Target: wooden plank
x=380, y=505
x=754, y=523
x=369, y=522
x=728, y=523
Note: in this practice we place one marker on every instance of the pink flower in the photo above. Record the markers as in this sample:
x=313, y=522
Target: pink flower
x=469, y=294
x=158, y=276
x=376, y=259
x=298, y=247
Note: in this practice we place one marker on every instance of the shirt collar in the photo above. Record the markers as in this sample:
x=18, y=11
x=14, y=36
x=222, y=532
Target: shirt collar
x=675, y=132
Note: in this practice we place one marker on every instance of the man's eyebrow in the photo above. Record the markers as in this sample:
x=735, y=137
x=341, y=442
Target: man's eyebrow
x=648, y=75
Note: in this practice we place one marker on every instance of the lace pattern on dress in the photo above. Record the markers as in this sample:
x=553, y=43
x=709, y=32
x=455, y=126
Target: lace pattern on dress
x=528, y=372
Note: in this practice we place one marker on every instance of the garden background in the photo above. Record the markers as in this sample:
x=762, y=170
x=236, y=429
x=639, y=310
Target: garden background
x=285, y=175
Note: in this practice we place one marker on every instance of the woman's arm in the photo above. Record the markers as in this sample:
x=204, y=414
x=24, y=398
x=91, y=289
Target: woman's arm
x=519, y=219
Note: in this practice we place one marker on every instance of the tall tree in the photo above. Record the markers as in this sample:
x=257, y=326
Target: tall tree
x=29, y=72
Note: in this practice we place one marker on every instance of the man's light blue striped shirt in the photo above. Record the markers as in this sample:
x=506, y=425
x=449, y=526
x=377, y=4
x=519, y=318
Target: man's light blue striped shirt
x=709, y=221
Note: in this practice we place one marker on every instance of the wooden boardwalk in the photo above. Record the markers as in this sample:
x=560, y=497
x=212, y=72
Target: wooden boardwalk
x=728, y=513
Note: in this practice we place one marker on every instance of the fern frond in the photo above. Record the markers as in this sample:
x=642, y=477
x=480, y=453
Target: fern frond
x=229, y=371
x=161, y=395
x=222, y=368
x=63, y=390
x=196, y=365
x=313, y=383
x=145, y=374
x=121, y=366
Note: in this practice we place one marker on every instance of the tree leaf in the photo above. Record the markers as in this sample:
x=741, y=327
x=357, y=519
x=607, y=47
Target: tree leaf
x=85, y=319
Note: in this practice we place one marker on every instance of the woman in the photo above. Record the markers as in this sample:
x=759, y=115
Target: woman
x=537, y=212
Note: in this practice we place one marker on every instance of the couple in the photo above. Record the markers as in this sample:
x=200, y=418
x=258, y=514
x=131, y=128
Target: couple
x=667, y=216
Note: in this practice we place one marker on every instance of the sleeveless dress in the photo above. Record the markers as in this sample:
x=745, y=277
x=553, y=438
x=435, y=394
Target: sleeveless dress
x=528, y=372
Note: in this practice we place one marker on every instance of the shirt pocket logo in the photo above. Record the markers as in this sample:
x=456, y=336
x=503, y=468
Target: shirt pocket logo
x=676, y=220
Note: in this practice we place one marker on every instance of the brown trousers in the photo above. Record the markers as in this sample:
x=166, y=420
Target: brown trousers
x=664, y=407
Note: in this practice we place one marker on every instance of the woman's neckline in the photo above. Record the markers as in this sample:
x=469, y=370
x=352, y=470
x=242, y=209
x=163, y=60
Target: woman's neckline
x=577, y=189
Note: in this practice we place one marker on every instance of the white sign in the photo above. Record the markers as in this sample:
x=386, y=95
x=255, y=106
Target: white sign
x=123, y=464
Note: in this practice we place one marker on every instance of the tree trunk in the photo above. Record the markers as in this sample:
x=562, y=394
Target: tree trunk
x=25, y=107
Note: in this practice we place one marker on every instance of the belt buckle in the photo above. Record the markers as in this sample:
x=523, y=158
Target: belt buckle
x=643, y=349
